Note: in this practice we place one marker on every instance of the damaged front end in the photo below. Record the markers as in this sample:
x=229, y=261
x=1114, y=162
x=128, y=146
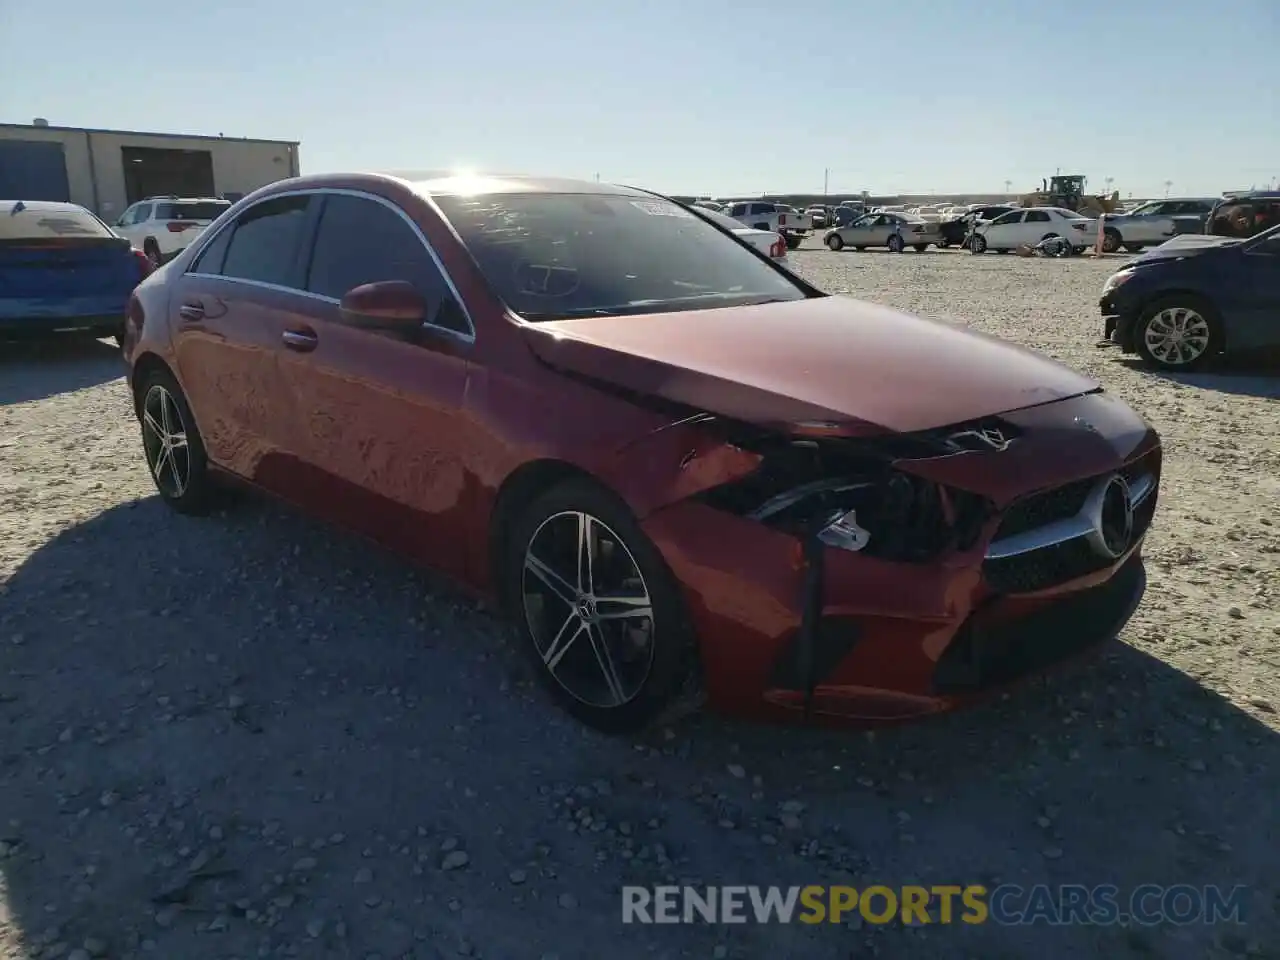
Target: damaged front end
x=858, y=495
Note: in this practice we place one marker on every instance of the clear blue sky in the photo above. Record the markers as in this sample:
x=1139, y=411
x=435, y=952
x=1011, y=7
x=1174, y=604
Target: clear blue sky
x=685, y=96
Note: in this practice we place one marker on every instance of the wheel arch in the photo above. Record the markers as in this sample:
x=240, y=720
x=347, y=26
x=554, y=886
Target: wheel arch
x=143, y=366
x=520, y=488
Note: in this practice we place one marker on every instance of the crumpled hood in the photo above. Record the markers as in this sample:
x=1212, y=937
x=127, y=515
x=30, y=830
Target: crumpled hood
x=830, y=364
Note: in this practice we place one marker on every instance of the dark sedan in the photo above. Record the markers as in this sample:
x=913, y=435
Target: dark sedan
x=957, y=229
x=1194, y=298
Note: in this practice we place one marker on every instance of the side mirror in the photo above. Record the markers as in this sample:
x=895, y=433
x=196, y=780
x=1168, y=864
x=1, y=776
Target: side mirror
x=392, y=305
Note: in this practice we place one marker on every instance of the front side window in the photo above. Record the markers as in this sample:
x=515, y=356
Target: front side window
x=142, y=214
x=359, y=241
x=264, y=244
x=557, y=255
x=1013, y=217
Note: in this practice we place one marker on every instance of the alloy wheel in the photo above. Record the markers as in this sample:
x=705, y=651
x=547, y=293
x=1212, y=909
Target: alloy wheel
x=1177, y=336
x=164, y=437
x=588, y=609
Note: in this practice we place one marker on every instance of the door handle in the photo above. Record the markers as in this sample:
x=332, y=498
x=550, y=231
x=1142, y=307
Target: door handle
x=191, y=311
x=300, y=340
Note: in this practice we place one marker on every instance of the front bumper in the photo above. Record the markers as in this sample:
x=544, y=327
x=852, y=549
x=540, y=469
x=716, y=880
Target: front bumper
x=894, y=641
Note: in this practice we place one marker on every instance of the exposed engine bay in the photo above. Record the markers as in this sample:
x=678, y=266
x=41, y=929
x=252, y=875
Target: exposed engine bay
x=857, y=494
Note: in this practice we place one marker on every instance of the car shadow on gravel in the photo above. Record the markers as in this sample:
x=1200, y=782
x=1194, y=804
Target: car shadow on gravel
x=1242, y=377
x=250, y=735
x=35, y=369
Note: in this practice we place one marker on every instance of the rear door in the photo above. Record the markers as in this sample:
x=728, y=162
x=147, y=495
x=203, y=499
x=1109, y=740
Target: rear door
x=231, y=310
x=384, y=418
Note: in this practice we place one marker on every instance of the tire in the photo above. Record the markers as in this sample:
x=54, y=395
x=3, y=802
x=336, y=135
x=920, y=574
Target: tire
x=835, y=243
x=661, y=675
x=1079, y=250
x=163, y=411
x=152, y=250
x=943, y=244
x=977, y=243
x=1200, y=342
x=859, y=249
x=793, y=242
x=1049, y=236
x=1133, y=248
x=895, y=244
x=919, y=247
x=1111, y=240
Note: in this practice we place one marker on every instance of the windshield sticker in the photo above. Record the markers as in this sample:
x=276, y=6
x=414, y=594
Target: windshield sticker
x=657, y=208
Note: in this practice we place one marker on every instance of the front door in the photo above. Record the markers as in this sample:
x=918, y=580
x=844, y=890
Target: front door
x=385, y=418
x=232, y=308
x=1257, y=297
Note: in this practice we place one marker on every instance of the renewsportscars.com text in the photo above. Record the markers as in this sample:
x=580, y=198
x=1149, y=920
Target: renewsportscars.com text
x=1008, y=904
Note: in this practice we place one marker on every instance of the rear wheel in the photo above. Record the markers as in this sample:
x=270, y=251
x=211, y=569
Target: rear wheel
x=896, y=244
x=171, y=442
x=919, y=247
x=1111, y=240
x=600, y=614
x=835, y=242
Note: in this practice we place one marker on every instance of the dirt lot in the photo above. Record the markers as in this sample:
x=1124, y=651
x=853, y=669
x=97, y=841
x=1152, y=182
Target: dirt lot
x=249, y=736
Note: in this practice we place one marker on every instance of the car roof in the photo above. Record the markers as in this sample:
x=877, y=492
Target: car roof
x=469, y=184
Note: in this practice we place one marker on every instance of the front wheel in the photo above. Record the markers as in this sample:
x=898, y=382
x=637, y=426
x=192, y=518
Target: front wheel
x=600, y=614
x=919, y=247
x=1177, y=333
x=896, y=244
x=1111, y=240
x=835, y=242
x=977, y=243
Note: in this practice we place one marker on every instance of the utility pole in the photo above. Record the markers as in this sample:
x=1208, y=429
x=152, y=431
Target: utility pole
x=597, y=178
x=1008, y=186
x=826, y=183
x=1167, y=185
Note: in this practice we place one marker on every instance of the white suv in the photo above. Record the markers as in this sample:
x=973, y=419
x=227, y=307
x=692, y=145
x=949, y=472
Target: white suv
x=162, y=227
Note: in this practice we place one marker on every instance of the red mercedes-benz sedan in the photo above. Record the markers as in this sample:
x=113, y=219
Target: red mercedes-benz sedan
x=685, y=472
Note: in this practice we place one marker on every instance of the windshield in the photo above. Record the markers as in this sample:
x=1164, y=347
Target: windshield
x=49, y=221
x=556, y=255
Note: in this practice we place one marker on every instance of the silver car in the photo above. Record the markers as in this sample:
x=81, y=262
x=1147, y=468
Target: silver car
x=897, y=231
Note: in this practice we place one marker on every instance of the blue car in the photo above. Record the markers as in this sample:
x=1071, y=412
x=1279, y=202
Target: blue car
x=62, y=270
x=1194, y=298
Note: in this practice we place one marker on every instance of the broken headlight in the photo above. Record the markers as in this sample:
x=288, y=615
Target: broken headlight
x=851, y=499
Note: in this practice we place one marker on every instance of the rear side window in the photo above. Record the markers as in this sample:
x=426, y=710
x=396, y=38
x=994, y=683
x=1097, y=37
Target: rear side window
x=1037, y=216
x=360, y=241
x=211, y=257
x=264, y=246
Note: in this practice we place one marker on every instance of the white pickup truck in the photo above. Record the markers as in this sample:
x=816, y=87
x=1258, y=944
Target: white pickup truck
x=1152, y=223
x=777, y=217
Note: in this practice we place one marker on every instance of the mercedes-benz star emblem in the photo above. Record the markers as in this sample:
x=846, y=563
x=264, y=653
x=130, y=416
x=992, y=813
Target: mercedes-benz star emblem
x=1113, y=518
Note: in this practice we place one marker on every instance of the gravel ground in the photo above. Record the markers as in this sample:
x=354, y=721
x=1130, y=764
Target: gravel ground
x=250, y=736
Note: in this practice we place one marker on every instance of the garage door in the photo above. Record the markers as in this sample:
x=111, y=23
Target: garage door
x=33, y=170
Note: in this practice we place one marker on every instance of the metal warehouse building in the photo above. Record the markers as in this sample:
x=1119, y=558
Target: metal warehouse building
x=106, y=170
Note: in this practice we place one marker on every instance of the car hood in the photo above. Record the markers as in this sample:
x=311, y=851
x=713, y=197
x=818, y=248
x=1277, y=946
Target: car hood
x=1186, y=245
x=830, y=365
